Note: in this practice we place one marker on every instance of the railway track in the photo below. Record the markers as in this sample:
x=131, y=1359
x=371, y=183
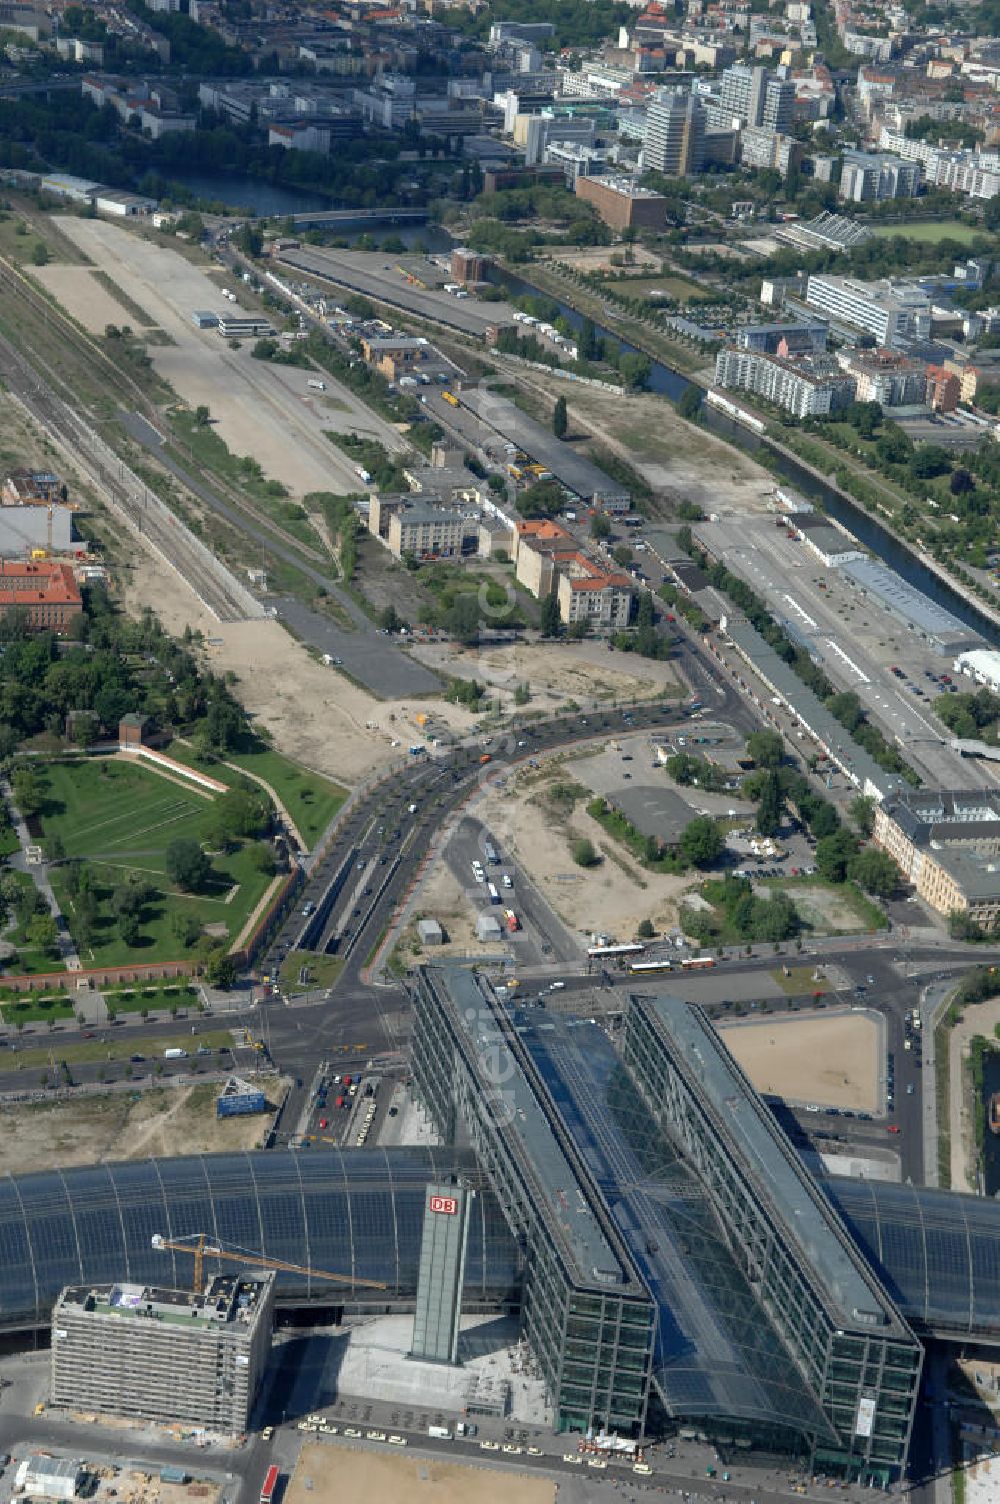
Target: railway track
x=215, y=585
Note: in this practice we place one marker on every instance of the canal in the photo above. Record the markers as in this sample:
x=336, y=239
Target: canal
x=664, y=380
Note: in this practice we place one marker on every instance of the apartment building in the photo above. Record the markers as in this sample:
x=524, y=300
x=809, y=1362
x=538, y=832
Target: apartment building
x=762, y=147
x=549, y=562
x=871, y=177
x=588, y=593
x=972, y=173
x=886, y=308
x=947, y=844
x=164, y=1355
x=885, y=377
x=808, y=386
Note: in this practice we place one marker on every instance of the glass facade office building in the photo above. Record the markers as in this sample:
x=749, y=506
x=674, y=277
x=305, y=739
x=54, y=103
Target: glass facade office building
x=846, y=1337
x=589, y=1318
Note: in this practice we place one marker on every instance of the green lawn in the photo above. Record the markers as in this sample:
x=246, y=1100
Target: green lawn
x=799, y=982
x=670, y=283
x=37, y=1009
x=932, y=231
x=122, y=819
x=311, y=800
x=120, y=1049
x=153, y=998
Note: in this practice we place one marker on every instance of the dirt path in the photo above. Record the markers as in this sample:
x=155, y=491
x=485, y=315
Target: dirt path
x=255, y=914
x=145, y=1135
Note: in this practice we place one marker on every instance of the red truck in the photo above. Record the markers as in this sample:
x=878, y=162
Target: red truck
x=513, y=923
x=339, y=1102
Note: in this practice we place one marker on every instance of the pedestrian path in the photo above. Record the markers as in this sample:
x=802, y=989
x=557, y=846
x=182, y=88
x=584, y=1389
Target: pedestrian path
x=25, y=861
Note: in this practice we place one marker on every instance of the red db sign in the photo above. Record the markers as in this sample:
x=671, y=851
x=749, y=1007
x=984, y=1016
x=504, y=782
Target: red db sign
x=446, y=1204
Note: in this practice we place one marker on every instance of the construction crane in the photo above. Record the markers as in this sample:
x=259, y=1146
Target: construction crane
x=201, y=1247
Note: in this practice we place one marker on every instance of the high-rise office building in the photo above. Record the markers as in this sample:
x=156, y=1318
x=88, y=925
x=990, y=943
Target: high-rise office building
x=675, y=133
x=778, y=104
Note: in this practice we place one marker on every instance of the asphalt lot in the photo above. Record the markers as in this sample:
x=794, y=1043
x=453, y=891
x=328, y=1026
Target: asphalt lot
x=372, y=273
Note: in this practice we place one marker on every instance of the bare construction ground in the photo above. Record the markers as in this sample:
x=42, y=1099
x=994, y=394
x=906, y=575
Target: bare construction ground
x=536, y=830
x=80, y=293
x=313, y=713
x=259, y=409
x=163, y=1121
x=833, y=1061
x=581, y=671
x=679, y=461
x=331, y=1474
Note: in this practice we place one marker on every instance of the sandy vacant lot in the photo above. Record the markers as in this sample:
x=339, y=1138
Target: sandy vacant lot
x=79, y=291
x=164, y=1121
x=611, y=898
x=442, y=897
x=582, y=671
x=332, y=1474
x=833, y=1061
x=259, y=409
x=313, y=713
x=678, y=461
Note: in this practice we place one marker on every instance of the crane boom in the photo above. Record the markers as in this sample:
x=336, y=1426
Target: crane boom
x=199, y=1246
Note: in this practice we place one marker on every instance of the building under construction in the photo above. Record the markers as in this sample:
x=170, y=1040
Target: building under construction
x=164, y=1355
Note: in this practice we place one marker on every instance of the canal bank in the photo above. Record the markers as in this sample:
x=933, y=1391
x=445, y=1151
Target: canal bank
x=922, y=573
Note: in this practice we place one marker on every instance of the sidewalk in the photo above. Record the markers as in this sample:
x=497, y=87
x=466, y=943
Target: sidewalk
x=37, y=871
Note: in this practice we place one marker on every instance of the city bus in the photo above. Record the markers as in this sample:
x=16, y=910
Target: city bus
x=270, y=1485
x=697, y=963
x=598, y=952
x=663, y=964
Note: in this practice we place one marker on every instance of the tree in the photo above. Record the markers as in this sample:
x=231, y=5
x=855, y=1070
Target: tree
x=961, y=482
x=549, y=618
x=833, y=853
x=186, y=864
x=768, y=819
x=186, y=928
x=862, y=811
x=701, y=842
x=560, y=421
x=929, y=460
x=600, y=525
x=767, y=748
x=85, y=729
x=41, y=933
x=220, y=968
x=262, y=856
x=584, y=854
x=29, y=791
x=645, y=930
x=461, y=619
x=390, y=620
x=202, y=415
x=875, y=872
x=128, y=929
x=689, y=402
x=39, y=254
x=55, y=849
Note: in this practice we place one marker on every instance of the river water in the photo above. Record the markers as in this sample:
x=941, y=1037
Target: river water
x=670, y=383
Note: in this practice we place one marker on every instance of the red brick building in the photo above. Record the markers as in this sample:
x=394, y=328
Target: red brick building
x=45, y=591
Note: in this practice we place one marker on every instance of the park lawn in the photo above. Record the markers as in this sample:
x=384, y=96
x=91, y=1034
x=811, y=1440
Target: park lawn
x=157, y=941
x=28, y=960
x=122, y=818
x=931, y=231
x=310, y=799
x=670, y=283
x=117, y=813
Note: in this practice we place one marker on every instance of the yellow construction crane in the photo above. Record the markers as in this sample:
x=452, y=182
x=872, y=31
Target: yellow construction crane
x=200, y=1246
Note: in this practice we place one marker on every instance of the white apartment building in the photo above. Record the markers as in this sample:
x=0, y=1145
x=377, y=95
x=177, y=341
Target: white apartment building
x=975, y=174
x=811, y=388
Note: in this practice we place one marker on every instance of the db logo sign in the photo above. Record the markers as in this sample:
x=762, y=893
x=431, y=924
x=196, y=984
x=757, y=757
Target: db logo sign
x=446, y=1204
